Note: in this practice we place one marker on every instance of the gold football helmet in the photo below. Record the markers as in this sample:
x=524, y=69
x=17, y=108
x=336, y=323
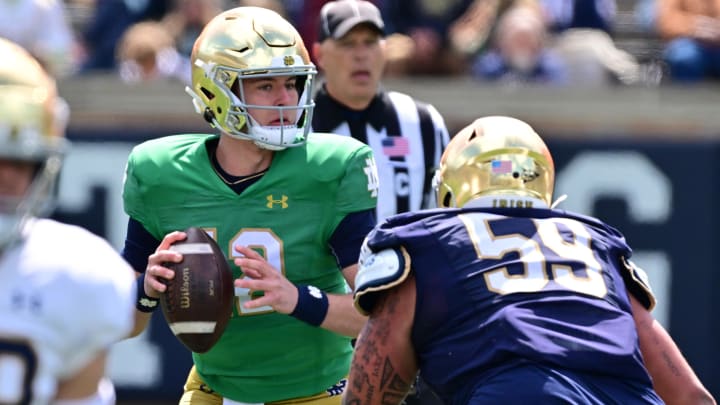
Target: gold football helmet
x=495, y=156
x=250, y=42
x=32, y=129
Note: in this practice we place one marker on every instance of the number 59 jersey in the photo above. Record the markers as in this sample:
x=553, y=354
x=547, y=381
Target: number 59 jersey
x=497, y=287
x=65, y=296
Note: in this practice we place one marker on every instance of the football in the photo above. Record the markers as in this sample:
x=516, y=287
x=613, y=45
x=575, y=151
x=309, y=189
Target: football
x=197, y=304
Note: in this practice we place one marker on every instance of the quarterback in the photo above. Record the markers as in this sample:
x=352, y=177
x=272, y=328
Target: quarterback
x=289, y=208
x=65, y=294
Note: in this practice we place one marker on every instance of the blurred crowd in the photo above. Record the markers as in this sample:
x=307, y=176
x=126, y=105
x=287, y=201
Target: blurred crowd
x=555, y=42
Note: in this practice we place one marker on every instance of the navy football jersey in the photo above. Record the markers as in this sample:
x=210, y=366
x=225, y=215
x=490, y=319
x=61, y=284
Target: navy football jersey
x=503, y=289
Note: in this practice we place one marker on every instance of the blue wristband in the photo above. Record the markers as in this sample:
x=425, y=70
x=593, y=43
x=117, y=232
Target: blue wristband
x=144, y=302
x=312, y=305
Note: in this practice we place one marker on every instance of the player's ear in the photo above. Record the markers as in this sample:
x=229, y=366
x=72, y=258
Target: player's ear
x=317, y=53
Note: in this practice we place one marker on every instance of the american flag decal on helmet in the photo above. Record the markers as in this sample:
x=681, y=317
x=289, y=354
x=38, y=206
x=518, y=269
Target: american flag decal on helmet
x=501, y=166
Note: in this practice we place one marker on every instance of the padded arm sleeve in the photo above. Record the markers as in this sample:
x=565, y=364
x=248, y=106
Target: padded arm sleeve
x=636, y=281
x=378, y=271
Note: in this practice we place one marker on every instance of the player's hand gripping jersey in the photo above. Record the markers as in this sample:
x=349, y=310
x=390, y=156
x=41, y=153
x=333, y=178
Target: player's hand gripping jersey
x=65, y=296
x=545, y=288
x=288, y=215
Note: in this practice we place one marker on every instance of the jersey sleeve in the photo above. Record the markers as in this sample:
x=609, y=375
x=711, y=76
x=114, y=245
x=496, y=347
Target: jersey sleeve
x=133, y=190
x=637, y=283
x=359, y=186
x=635, y=278
x=137, y=190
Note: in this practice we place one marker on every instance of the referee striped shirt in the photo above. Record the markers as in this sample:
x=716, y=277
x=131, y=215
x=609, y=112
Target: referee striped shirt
x=407, y=138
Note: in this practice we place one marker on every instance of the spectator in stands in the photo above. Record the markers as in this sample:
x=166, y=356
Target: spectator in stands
x=277, y=6
x=692, y=31
x=519, y=53
x=645, y=12
x=107, y=25
x=471, y=32
x=186, y=20
x=583, y=38
x=424, y=27
x=566, y=14
x=305, y=15
x=147, y=52
x=42, y=28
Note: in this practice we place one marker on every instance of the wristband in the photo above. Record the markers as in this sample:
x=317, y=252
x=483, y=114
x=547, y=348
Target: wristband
x=312, y=305
x=144, y=302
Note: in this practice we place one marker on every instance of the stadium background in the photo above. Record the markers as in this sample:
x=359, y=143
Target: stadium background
x=645, y=159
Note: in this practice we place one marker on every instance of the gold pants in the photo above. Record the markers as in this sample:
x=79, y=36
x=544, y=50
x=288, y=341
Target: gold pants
x=197, y=393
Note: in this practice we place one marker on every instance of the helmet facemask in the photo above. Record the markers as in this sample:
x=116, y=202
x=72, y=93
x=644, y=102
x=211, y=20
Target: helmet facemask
x=39, y=200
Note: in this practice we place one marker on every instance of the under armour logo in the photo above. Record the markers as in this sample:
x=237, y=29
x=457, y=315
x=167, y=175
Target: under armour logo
x=289, y=61
x=271, y=201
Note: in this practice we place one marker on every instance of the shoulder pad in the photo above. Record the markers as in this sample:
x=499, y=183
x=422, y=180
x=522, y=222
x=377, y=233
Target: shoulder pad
x=378, y=271
x=636, y=281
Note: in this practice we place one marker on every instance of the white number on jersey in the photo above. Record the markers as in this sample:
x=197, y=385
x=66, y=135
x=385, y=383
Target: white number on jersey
x=271, y=248
x=18, y=363
x=537, y=274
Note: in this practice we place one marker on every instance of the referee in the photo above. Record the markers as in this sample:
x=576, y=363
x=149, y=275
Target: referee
x=407, y=136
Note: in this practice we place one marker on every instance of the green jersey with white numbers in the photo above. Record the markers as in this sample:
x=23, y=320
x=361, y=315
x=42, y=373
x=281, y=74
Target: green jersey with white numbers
x=289, y=215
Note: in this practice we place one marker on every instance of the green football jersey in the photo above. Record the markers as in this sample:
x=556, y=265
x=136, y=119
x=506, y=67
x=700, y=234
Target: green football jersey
x=288, y=215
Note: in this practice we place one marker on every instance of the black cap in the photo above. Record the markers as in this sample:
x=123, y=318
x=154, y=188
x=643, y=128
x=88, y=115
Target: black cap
x=337, y=18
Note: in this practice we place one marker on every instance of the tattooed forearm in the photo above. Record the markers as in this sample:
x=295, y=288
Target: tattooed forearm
x=384, y=386
x=374, y=379
x=351, y=398
x=392, y=386
x=670, y=365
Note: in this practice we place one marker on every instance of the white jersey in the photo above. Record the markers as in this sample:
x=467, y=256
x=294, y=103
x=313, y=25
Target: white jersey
x=65, y=295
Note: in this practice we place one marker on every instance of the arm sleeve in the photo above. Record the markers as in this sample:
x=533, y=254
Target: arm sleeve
x=349, y=235
x=139, y=244
x=378, y=271
x=637, y=283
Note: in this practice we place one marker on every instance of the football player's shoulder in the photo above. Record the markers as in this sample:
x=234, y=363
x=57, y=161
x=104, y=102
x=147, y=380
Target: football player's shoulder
x=411, y=217
x=85, y=272
x=168, y=147
x=331, y=156
x=595, y=223
x=330, y=144
x=78, y=252
x=393, y=229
